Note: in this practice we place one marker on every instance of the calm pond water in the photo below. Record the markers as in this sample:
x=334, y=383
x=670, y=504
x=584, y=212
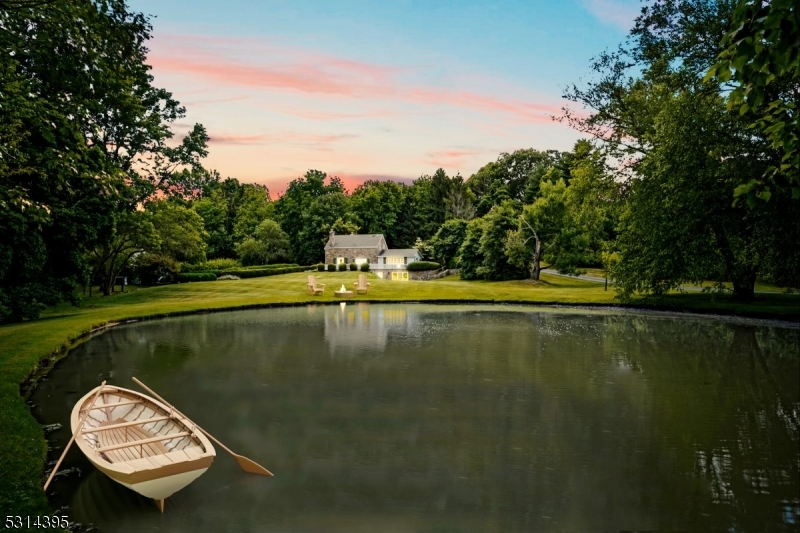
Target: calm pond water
x=423, y=418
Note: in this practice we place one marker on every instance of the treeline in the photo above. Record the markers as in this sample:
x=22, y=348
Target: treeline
x=689, y=173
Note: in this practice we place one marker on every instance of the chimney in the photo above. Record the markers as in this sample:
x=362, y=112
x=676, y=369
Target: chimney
x=332, y=237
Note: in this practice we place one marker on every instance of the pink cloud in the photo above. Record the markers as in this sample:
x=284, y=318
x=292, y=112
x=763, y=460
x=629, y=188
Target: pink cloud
x=284, y=137
x=315, y=74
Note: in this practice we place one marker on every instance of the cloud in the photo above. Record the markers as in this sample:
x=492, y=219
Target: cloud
x=306, y=139
x=318, y=75
x=613, y=12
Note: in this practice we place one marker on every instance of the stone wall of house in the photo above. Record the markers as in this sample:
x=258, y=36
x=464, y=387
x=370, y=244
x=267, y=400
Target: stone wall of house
x=351, y=253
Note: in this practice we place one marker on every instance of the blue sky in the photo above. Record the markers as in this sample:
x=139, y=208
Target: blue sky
x=386, y=90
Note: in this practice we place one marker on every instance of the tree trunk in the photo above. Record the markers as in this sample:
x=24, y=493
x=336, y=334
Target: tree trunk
x=744, y=287
x=537, y=258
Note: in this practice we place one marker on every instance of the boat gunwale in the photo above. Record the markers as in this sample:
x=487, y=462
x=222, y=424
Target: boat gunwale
x=121, y=470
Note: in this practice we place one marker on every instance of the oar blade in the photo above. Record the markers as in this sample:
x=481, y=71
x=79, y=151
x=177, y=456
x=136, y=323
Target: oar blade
x=251, y=467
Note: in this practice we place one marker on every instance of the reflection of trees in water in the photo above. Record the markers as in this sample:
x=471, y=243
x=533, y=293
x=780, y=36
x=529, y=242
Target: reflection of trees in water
x=733, y=389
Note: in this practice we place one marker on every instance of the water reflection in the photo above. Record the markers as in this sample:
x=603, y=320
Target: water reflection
x=458, y=418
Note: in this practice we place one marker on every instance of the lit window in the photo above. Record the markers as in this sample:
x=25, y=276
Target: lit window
x=396, y=260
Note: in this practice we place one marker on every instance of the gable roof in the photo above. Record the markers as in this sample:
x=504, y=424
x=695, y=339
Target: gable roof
x=372, y=240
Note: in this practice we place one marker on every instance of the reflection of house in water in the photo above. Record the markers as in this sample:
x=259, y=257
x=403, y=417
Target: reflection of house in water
x=355, y=327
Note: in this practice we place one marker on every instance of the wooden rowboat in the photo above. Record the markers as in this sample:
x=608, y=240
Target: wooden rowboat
x=139, y=442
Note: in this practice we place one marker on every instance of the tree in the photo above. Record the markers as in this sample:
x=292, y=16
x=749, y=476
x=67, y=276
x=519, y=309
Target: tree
x=181, y=234
x=268, y=244
x=513, y=176
x=376, y=206
x=292, y=208
x=448, y=241
x=470, y=254
x=132, y=233
x=761, y=57
x=546, y=229
x=84, y=139
x=497, y=223
x=677, y=145
x=318, y=219
x=254, y=207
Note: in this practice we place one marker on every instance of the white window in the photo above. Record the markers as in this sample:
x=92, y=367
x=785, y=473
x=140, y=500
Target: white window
x=360, y=260
x=339, y=260
x=396, y=260
x=400, y=276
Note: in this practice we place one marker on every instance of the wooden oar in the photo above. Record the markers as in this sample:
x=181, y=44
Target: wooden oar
x=248, y=465
x=77, y=432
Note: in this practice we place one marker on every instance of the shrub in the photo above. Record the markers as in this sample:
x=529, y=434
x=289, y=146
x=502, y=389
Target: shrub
x=321, y=267
x=353, y=267
x=364, y=267
x=227, y=276
x=416, y=266
x=331, y=268
x=260, y=273
x=210, y=265
x=197, y=276
x=343, y=267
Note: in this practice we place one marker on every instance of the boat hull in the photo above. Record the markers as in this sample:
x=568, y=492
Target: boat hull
x=153, y=473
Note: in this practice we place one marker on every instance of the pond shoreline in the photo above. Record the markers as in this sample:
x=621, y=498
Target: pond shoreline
x=24, y=451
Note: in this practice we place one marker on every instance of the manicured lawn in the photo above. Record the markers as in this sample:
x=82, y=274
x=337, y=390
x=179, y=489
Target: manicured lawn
x=23, y=347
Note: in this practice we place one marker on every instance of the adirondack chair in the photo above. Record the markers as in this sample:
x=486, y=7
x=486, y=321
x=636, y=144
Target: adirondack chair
x=314, y=288
x=362, y=285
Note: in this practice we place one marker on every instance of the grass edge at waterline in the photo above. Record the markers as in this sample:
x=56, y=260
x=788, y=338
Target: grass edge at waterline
x=31, y=348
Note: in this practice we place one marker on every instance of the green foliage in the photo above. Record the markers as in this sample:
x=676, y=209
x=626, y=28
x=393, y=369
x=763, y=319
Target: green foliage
x=268, y=243
x=419, y=266
x=364, y=267
x=196, y=276
x=321, y=267
x=326, y=212
x=470, y=255
x=211, y=265
x=353, y=267
x=180, y=230
x=305, y=229
x=331, y=267
x=342, y=267
x=761, y=58
x=254, y=207
x=376, y=207
x=514, y=176
x=498, y=222
x=264, y=271
x=447, y=241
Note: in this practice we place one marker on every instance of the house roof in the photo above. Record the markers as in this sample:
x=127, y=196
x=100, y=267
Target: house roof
x=399, y=252
x=372, y=240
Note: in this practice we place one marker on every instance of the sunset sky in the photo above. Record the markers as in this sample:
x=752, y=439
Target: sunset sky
x=375, y=90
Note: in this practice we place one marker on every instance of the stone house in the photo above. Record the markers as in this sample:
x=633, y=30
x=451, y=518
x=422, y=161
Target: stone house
x=387, y=263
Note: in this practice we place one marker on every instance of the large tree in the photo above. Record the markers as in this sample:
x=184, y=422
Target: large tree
x=682, y=155
x=377, y=207
x=84, y=138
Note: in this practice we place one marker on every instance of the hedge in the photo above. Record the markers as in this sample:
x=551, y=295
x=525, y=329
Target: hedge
x=197, y=276
x=259, y=273
x=321, y=267
x=353, y=267
x=331, y=268
x=416, y=266
x=342, y=267
x=364, y=267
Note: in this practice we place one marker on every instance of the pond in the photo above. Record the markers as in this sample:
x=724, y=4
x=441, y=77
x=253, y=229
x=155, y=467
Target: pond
x=430, y=418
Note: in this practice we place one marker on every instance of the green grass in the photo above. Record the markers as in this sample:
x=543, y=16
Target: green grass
x=30, y=347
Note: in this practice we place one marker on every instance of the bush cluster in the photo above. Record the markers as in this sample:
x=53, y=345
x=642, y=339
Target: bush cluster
x=321, y=267
x=197, y=276
x=353, y=267
x=417, y=266
x=331, y=268
x=364, y=267
x=261, y=272
x=342, y=267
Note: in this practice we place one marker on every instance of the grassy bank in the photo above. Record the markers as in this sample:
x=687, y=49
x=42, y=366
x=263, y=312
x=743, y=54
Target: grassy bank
x=23, y=347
